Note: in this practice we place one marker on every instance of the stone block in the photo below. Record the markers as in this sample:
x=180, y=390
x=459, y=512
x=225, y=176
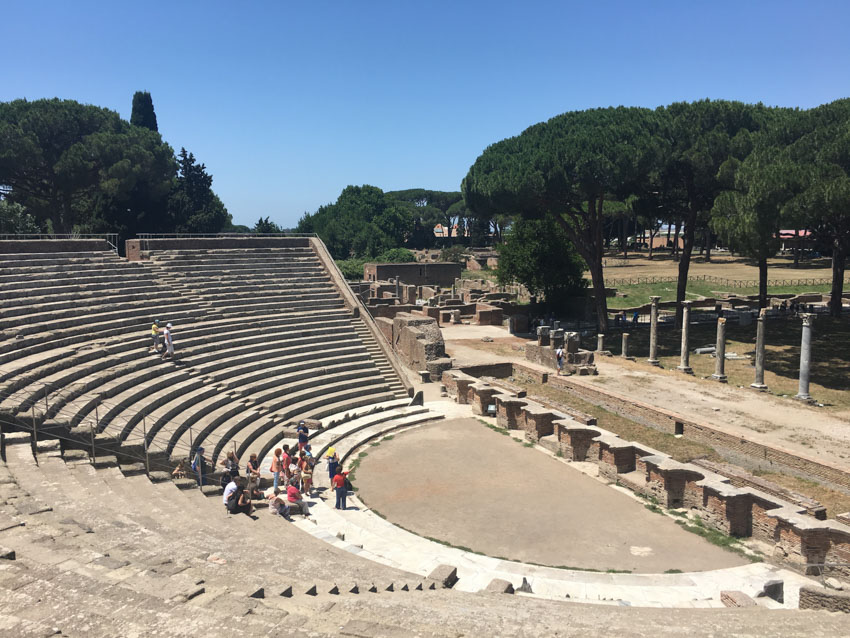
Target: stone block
x=736, y=599
x=774, y=589
x=6, y=553
x=446, y=575
x=499, y=586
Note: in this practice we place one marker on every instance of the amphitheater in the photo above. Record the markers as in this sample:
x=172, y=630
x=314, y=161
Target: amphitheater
x=97, y=539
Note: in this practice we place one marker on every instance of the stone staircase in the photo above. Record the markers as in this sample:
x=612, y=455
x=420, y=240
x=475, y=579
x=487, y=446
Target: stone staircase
x=262, y=335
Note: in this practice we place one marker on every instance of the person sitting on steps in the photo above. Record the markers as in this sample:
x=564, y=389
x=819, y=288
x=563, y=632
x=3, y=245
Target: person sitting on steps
x=236, y=498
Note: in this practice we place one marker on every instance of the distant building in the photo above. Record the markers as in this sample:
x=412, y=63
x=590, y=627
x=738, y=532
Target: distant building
x=441, y=273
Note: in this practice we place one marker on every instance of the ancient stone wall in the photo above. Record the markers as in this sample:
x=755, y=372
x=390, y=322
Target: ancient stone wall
x=136, y=248
x=799, y=540
x=53, y=245
x=415, y=273
x=417, y=341
x=824, y=599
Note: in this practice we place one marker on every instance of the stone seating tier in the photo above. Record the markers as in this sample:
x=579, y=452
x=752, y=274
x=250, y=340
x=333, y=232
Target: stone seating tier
x=36, y=365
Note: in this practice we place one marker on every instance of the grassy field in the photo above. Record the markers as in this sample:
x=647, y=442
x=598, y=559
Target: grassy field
x=639, y=294
x=830, y=376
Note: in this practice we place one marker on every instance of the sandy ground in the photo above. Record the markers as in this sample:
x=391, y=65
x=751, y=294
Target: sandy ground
x=502, y=499
x=764, y=418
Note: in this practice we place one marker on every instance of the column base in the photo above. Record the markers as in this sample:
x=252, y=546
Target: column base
x=761, y=387
x=685, y=369
x=653, y=362
x=806, y=398
x=719, y=377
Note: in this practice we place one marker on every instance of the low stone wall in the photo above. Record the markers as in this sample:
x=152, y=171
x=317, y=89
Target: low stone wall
x=798, y=540
x=824, y=599
x=53, y=245
x=744, y=452
x=487, y=315
x=136, y=248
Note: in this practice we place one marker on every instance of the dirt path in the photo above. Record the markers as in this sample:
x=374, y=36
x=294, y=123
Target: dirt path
x=764, y=418
x=459, y=482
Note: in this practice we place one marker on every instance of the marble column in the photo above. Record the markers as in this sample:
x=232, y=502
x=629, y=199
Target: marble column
x=805, y=357
x=625, y=352
x=720, y=352
x=600, y=342
x=653, y=332
x=685, y=356
x=758, y=384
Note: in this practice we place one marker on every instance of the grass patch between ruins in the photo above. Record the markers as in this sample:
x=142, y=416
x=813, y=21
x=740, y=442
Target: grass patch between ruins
x=730, y=543
x=834, y=501
x=679, y=449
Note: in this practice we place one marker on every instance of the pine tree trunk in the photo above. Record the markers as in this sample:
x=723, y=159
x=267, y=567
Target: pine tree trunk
x=839, y=257
x=685, y=262
x=676, y=240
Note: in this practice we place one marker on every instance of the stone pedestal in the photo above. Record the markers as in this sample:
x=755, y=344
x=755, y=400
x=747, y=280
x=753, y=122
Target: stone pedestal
x=557, y=338
x=600, y=342
x=653, y=332
x=805, y=358
x=685, y=356
x=759, y=384
x=625, y=347
x=720, y=352
x=543, y=335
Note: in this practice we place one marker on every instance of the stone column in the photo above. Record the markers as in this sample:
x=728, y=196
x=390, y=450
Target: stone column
x=758, y=384
x=684, y=360
x=720, y=352
x=397, y=289
x=600, y=342
x=625, y=353
x=805, y=357
x=653, y=332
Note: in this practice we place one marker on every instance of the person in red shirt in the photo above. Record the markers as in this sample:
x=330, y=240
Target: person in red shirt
x=294, y=496
x=338, y=484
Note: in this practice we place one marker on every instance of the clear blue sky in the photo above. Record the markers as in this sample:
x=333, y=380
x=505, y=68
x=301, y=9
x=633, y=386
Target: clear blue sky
x=288, y=102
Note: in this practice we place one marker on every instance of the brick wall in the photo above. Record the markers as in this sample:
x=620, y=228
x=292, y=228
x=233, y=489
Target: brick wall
x=746, y=453
x=824, y=599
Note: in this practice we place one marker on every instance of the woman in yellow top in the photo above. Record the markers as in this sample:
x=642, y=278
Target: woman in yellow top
x=155, y=337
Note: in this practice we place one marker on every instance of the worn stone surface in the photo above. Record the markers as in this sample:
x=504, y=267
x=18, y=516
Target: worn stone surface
x=446, y=575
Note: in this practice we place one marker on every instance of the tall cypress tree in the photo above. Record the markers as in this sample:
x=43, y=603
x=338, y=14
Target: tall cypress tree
x=143, y=113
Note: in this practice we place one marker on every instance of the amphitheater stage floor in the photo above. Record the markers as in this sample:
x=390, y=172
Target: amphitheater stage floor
x=459, y=482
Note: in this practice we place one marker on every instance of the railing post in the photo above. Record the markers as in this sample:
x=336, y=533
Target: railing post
x=145, y=439
x=93, y=451
x=34, y=432
x=191, y=445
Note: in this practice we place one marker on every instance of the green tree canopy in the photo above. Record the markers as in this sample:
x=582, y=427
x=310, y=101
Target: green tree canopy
x=822, y=153
x=363, y=222
x=143, y=114
x=76, y=165
x=14, y=219
x=538, y=254
x=193, y=206
x=266, y=226
x=566, y=169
